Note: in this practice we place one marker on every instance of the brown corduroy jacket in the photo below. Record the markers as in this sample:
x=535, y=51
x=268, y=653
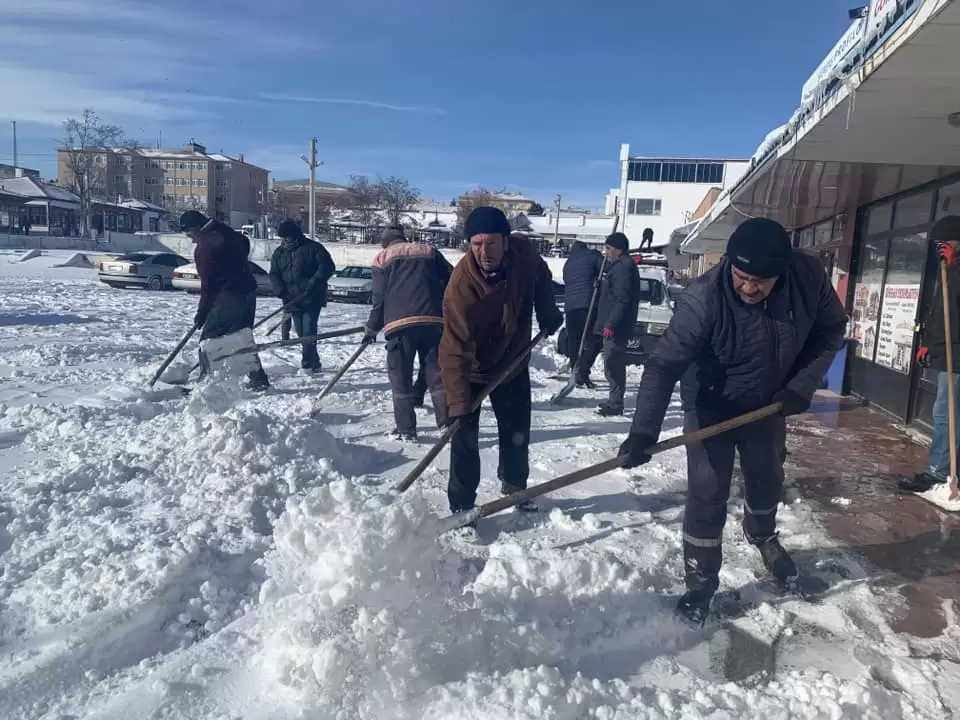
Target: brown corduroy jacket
x=487, y=324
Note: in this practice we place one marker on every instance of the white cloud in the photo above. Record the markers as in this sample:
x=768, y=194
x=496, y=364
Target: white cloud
x=134, y=62
x=348, y=101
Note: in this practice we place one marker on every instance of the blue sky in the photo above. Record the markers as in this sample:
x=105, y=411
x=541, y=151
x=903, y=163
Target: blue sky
x=531, y=95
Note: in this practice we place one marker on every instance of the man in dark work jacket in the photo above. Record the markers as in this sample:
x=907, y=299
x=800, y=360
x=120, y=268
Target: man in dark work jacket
x=763, y=326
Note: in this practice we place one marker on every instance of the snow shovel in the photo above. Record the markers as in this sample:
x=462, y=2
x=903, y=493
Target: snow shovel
x=575, y=362
x=465, y=518
x=277, y=312
x=172, y=356
x=951, y=401
x=333, y=381
x=452, y=428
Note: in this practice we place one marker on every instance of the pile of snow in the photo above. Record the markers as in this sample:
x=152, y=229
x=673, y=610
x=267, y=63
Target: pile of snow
x=79, y=260
x=29, y=255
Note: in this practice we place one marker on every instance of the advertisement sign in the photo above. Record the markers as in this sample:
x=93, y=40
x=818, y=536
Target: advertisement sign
x=881, y=12
x=897, y=320
x=835, y=59
x=866, y=308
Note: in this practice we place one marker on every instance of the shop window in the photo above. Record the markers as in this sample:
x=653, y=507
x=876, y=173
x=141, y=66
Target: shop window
x=880, y=218
x=913, y=211
x=805, y=238
x=866, y=299
x=901, y=295
x=823, y=233
x=948, y=200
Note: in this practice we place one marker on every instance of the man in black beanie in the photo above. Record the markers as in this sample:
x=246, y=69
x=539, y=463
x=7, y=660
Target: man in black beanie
x=761, y=327
x=616, y=318
x=299, y=272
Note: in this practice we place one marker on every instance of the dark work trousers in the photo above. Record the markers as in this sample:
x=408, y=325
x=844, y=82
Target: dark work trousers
x=591, y=349
x=709, y=470
x=403, y=347
x=305, y=324
x=285, y=324
x=511, y=405
x=231, y=312
x=615, y=369
x=420, y=387
x=576, y=322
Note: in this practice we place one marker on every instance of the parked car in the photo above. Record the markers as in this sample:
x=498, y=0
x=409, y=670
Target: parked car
x=186, y=278
x=150, y=270
x=653, y=316
x=352, y=284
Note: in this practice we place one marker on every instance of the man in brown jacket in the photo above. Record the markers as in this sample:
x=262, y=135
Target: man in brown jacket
x=488, y=316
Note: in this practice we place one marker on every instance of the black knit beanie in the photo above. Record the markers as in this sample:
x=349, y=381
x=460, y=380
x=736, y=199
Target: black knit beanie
x=192, y=220
x=486, y=220
x=946, y=229
x=619, y=241
x=760, y=247
x=288, y=229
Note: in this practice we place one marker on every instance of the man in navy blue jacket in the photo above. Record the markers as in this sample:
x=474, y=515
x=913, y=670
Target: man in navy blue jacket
x=763, y=326
x=580, y=276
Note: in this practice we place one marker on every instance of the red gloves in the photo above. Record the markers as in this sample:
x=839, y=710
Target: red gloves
x=922, y=353
x=947, y=252
x=608, y=332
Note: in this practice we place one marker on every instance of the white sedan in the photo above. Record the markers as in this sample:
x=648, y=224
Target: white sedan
x=187, y=278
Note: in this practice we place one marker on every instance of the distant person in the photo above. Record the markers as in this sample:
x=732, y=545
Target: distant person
x=617, y=318
x=581, y=273
x=299, y=272
x=761, y=327
x=933, y=353
x=409, y=280
x=646, y=240
x=228, y=298
x=487, y=324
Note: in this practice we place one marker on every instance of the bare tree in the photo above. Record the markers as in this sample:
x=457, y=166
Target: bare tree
x=469, y=201
x=397, y=196
x=86, y=169
x=367, y=199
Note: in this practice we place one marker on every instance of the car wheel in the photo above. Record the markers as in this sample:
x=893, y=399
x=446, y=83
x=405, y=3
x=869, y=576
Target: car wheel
x=155, y=283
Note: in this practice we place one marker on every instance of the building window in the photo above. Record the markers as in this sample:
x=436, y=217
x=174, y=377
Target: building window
x=181, y=182
x=644, y=206
x=676, y=172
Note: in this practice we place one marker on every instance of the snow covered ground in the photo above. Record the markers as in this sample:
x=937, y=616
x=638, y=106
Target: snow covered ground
x=227, y=556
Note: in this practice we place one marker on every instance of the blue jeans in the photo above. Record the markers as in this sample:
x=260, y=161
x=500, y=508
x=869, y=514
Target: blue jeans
x=938, y=461
x=305, y=323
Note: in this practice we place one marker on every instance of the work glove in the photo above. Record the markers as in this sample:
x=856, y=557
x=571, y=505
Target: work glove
x=635, y=448
x=608, y=332
x=922, y=356
x=793, y=402
x=369, y=336
x=946, y=252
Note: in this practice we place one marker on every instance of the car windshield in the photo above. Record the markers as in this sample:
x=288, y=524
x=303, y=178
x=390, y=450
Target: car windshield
x=356, y=273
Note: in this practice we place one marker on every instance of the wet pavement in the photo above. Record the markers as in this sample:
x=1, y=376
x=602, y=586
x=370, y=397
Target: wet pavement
x=847, y=459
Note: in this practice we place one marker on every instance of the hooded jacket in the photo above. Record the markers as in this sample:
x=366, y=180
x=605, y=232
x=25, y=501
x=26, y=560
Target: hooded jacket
x=580, y=273
x=488, y=323
x=733, y=357
x=409, y=280
x=220, y=255
x=302, y=270
x=934, y=330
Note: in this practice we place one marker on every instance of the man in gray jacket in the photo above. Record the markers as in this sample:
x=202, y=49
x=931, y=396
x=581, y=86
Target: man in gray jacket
x=761, y=327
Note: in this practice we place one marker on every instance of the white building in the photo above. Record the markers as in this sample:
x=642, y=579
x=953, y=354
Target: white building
x=583, y=226
x=661, y=193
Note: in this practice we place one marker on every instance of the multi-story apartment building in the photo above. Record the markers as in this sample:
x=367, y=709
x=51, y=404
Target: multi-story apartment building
x=178, y=179
x=663, y=193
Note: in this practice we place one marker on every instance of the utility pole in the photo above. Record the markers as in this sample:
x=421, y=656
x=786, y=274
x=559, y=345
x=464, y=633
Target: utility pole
x=15, y=165
x=312, y=164
x=556, y=227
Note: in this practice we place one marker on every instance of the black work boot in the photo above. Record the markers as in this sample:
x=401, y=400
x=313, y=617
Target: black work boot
x=920, y=483
x=778, y=562
x=607, y=410
x=694, y=606
x=527, y=506
x=258, y=381
x=586, y=383
x=396, y=434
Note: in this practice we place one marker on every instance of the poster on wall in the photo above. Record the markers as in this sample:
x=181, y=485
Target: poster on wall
x=897, y=320
x=866, y=308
